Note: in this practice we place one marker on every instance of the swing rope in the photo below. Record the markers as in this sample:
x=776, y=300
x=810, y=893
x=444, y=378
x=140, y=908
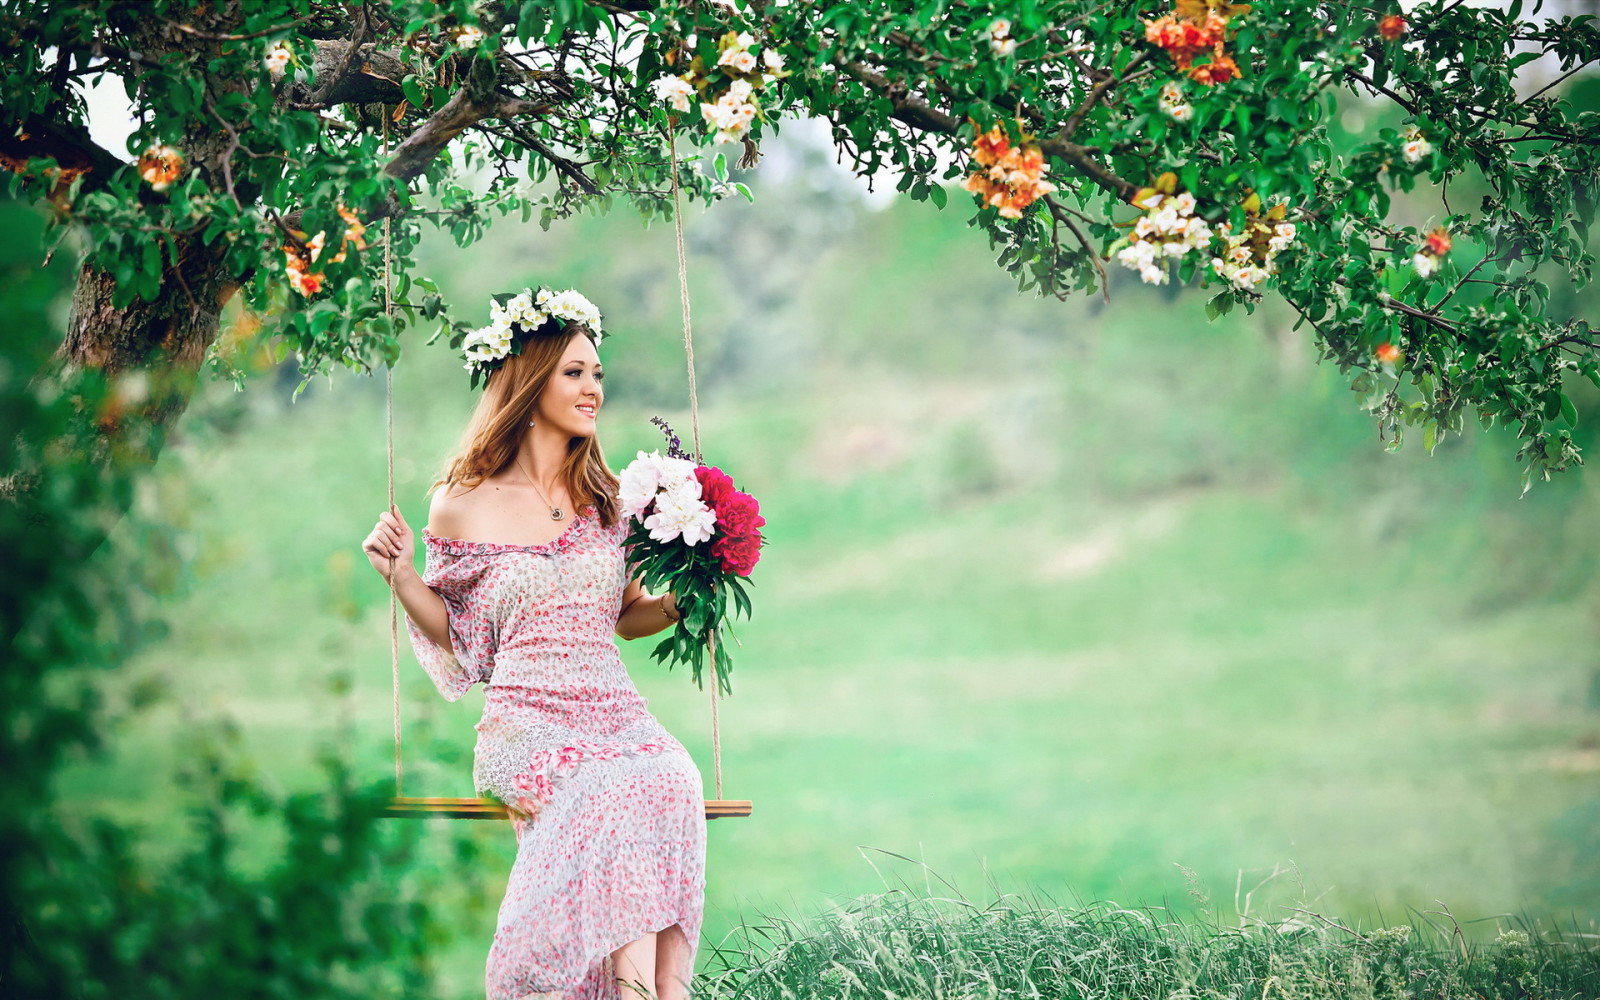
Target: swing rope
x=694, y=419
x=388, y=398
x=477, y=808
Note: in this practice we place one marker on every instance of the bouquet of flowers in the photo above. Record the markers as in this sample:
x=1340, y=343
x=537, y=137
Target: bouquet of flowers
x=695, y=533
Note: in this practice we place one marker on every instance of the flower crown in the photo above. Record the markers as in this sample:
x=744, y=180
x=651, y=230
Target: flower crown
x=515, y=319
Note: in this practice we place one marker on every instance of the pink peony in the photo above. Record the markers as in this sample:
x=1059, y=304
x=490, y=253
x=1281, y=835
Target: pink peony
x=739, y=514
x=715, y=485
x=739, y=553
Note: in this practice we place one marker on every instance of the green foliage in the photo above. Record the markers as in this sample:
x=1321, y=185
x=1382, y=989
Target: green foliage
x=552, y=113
x=88, y=912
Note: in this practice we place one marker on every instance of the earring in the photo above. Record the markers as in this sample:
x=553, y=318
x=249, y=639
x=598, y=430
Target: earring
x=530, y=423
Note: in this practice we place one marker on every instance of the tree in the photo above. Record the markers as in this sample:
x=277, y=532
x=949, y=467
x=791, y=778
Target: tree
x=264, y=122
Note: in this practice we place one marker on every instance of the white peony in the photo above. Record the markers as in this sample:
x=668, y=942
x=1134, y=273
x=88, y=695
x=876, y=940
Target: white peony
x=638, y=484
x=680, y=512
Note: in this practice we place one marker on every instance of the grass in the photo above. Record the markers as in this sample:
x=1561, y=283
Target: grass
x=932, y=942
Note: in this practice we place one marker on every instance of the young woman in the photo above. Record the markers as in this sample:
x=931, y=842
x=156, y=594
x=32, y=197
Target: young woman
x=525, y=582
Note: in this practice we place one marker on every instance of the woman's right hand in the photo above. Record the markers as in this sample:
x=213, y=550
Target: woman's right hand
x=391, y=536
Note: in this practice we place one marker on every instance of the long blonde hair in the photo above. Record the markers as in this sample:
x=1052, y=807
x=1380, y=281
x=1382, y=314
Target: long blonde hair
x=493, y=434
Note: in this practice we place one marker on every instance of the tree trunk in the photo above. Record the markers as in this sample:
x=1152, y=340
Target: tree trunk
x=148, y=353
x=128, y=373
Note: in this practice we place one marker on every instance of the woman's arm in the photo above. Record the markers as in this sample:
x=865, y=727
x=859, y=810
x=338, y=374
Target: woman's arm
x=643, y=614
x=392, y=537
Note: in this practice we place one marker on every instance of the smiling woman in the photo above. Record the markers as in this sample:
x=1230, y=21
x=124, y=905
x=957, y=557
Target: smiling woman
x=525, y=587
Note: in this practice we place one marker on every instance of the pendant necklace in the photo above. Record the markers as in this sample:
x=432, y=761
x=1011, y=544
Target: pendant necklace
x=556, y=513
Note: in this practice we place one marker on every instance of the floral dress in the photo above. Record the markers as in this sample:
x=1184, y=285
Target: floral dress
x=608, y=808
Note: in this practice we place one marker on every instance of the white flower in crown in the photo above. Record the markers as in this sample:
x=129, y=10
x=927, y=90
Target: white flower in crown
x=518, y=317
x=570, y=305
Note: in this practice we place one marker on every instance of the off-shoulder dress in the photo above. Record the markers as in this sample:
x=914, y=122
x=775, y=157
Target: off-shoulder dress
x=607, y=807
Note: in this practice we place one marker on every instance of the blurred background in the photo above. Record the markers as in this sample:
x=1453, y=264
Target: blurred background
x=1086, y=600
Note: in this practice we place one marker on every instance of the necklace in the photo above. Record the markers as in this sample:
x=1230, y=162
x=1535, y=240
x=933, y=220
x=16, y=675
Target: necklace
x=556, y=513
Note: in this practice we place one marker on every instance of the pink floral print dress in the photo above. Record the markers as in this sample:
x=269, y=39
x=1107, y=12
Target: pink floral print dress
x=607, y=807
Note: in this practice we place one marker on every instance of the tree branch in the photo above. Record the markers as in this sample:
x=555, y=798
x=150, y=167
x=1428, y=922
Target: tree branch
x=333, y=81
x=1058, y=212
x=929, y=119
x=1096, y=93
x=460, y=113
x=69, y=145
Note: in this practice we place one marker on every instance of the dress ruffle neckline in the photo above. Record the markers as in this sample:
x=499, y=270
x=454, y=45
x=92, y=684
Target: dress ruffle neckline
x=464, y=547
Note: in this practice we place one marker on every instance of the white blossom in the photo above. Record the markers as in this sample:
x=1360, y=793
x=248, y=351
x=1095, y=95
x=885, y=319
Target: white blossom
x=570, y=305
x=1000, y=41
x=1424, y=264
x=277, y=59
x=673, y=89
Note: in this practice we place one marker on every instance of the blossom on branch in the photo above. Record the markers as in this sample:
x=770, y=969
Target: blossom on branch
x=1392, y=28
x=1413, y=147
x=1194, y=28
x=1434, y=248
x=1000, y=41
x=277, y=59
x=735, y=109
x=675, y=90
x=160, y=166
x=1009, y=178
x=1172, y=103
x=1169, y=228
x=1251, y=255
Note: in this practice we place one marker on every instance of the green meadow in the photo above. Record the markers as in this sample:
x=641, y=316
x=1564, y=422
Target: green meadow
x=1099, y=601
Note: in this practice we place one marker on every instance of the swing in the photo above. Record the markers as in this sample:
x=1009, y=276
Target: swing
x=412, y=807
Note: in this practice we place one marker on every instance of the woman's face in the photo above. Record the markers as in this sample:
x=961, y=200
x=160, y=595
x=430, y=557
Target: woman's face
x=570, y=400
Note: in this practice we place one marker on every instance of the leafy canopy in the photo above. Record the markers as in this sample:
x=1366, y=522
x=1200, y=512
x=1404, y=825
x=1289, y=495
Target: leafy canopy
x=1177, y=140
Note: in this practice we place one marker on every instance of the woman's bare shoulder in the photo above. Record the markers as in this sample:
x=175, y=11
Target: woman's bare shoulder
x=449, y=509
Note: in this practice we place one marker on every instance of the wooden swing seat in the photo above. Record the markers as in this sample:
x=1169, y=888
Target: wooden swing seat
x=409, y=807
